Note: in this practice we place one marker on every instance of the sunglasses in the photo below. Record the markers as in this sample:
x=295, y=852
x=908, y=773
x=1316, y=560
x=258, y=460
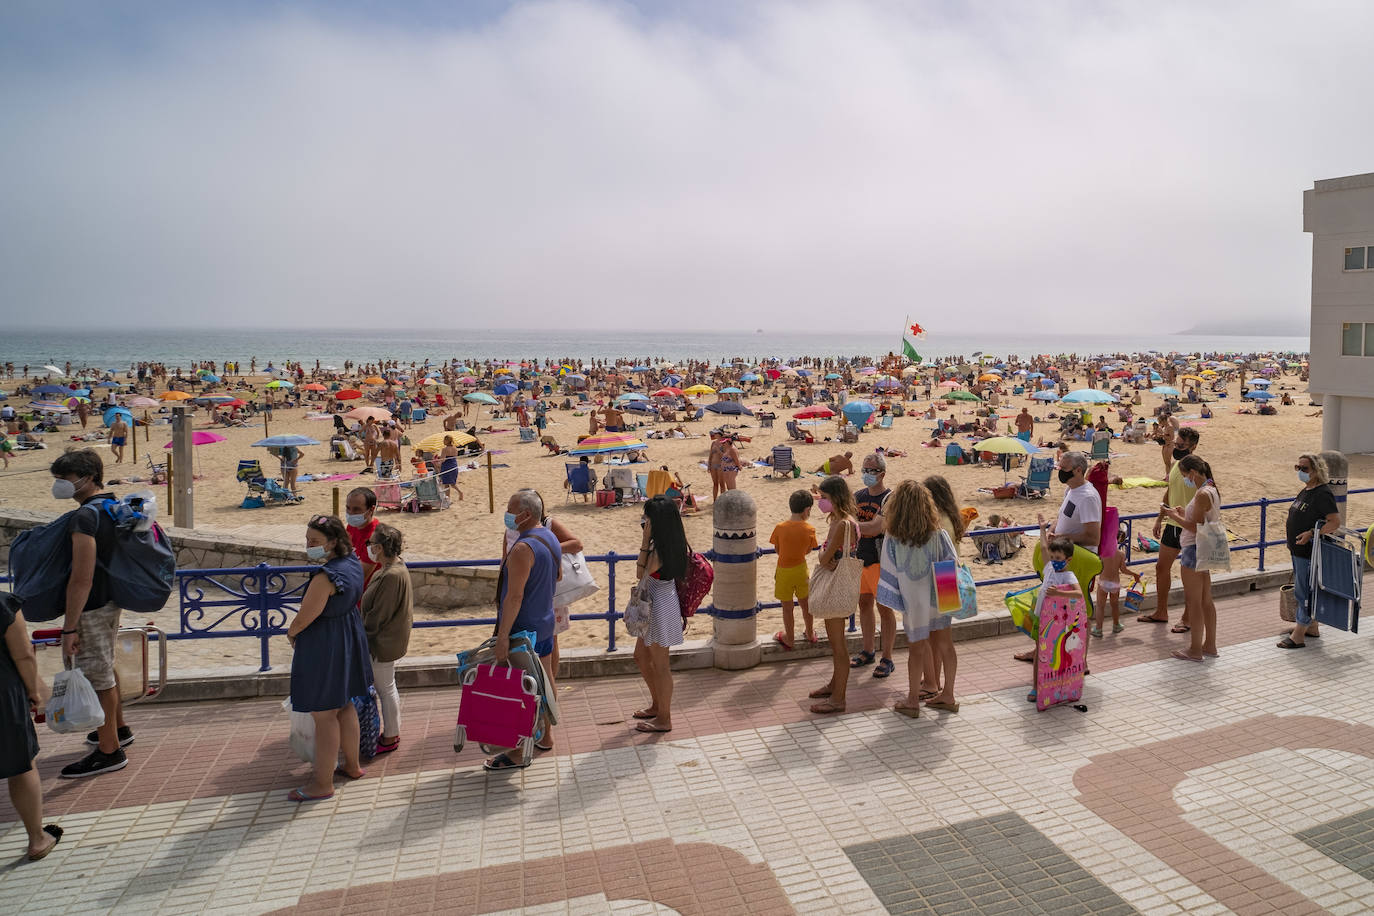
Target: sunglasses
x=1302, y=467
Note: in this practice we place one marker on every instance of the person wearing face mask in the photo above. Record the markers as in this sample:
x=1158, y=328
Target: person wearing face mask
x=387, y=618
x=1314, y=503
x=1197, y=583
x=529, y=575
x=1080, y=514
x=91, y=622
x=330, y=664
x=360, y=510
x=1167, y=531
x=837, y=502
x=869, y=511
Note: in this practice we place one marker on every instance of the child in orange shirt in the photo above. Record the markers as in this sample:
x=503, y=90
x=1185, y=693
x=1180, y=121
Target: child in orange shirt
x=794, y=539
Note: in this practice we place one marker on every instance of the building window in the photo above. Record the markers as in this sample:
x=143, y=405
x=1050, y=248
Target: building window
x=1369, y=340
x=1352, y=338
x=1355, y=258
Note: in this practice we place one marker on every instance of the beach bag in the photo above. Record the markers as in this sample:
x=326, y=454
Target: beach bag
x=577, y=582
x=835, y=592
x=142, y=567
x=1147, y=544
x=302, y=736
x=946, y=576
x=1213, y=545
x=1135, y=595
x=40, y=564
x=637, y=609
x=695, y=583
x=369, y=723
x=968, y=594
x=73, y=706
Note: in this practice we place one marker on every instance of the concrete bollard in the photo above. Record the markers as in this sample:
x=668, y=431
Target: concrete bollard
x=1338, y=478
x=734, y=594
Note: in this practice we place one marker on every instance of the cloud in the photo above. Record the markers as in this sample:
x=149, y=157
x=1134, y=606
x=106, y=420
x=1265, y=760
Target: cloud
x=576, y=164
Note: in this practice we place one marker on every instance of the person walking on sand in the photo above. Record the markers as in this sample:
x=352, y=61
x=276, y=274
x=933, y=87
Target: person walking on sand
x=119, y=434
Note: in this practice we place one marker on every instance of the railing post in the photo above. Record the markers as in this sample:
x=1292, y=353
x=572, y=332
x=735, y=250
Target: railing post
x=264, y=625
x=1264, y=518
x=610, y=600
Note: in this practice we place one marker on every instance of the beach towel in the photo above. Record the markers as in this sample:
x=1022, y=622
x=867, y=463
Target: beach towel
x=1130, y=483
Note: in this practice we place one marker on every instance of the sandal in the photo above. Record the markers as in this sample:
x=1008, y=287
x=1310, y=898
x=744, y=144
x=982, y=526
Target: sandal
x=1146, y=618
x=1179, y=628
x=53, y=831
x=940, y=704
x=299, y=795
x=813, y=639
x=927, y=694
x=544, y=748
x=1096, y=632
x=781, y=639
x=825, y=708
x=651, y=728
x=862, y=659
x=911, y=712
x=643, y=714
x=884, y=668
x=1287, y=643
x=386, y=748
x=503, y=762
x=820, y=693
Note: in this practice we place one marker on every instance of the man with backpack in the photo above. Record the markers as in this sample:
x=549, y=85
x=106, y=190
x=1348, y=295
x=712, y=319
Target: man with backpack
x=91, y=622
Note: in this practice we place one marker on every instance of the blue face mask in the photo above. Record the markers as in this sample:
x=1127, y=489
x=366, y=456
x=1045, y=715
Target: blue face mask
x=315, y=552
x=1304, y=476
x=356, y=521
x=510, y=521
x=1059, y=565
x=1188, y=482
x=870, y=479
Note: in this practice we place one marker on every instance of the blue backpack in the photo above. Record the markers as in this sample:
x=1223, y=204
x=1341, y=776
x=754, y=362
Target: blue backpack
x=141, y=569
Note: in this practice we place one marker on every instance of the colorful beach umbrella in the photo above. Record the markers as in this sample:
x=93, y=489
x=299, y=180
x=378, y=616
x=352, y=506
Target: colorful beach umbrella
x=313, y=386
x=282, y=441
x=606, y=443
x=202, y=437
x=699, y=389
x=280, y=383
x=174, y=396
x=667, y=393
x=374, y=380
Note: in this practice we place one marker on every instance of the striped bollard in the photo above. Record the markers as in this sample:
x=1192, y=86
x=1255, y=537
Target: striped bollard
x=734, y=593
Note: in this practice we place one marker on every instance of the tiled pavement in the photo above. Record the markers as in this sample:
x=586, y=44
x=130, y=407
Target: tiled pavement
x=1245, y=784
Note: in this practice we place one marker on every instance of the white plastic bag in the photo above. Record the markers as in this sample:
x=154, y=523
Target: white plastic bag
x=1213, y=548
x=74, y=706
x=302, y=739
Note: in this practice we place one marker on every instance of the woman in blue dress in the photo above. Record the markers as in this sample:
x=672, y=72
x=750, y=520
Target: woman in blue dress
x=331, y=663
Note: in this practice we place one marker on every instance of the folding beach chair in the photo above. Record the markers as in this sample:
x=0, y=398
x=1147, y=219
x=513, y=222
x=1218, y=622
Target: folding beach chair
x=1037, y=481
x=794, y=431
x=391, y=495
x=886, y=422
x=581, y=481
x=527, y=434
x=782, y=460
x=1337, y=573
x=1102, y=446
x=427, y=494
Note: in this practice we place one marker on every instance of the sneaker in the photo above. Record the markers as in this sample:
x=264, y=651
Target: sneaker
x=125, y=734
x=95, y=763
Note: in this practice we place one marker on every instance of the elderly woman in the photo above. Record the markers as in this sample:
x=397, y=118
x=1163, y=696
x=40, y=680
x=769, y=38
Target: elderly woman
x=330, y=666
x=1314, y=503
x=387, y=618
x=21, y=695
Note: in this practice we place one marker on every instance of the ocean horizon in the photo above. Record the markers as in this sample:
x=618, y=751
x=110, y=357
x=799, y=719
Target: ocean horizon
x=117, y=349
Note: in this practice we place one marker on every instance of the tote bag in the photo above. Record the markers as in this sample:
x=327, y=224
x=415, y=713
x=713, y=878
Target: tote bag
x=636, y=616
x=835, y=592
x=1213, y=547
x=693, y=586
x=577, y=582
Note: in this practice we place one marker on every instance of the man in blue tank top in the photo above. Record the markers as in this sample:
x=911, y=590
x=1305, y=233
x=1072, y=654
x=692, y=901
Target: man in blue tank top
x=532, y=569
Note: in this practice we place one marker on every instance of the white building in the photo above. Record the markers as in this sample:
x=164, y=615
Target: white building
x=1339, y=212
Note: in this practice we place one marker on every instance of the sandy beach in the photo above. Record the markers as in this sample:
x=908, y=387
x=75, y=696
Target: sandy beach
x=1252, y=456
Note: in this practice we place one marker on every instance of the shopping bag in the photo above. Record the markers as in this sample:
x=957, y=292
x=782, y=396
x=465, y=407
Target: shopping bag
x=636, y=616
x=835, y=592
x=692, y=587
x=1213, y=548
x=74, y=706
x=302, y=739
x=369, y=723
x=577, y=582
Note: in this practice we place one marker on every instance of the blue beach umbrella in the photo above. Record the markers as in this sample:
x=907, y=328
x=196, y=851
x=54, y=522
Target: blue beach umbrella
x=1088, y=396
x=506, y=389
x=284, y=440
x=111, y=412
x=749, y=377
x=831, y=376
x=857, y=412
x=671, y=379
x=209, y=377
x=107, y=384
x=80, y=393
x=731, y=390
x=803, y=371
x=1045, y=396
x=1259, y=395
x=640, y=407
x=632, y=396
x=1260, y=382
x=731, y=408
x=1164, y=389
x=480, y=397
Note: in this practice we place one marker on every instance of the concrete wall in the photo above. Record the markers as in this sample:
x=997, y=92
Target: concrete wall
x=436, y=590
x=1340, y=214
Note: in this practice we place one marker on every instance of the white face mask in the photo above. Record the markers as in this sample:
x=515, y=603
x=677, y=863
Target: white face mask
x=63, y=488
x=374, y=553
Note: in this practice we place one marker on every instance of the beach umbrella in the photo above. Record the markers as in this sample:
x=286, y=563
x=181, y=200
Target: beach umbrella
x=1036, y=375
x=963, y=396
x=174, y=396
x=435, y=441
x=202, y=437
x=699, y=389
x=111, y=412
x=749, y=377
x=49, y=405
x=236, y=402
x=282, y=441
x=639, y=369
x=348, y=394
x=641, y=407
x=731, y=390
x=805, y=372
x=632, y=396
x=729, y=408
x=606, y=443
x=362, y=413
x=1120, y=373
x=480, y=397
x=885, y=383
x=772, y=373
x=816, y=412
x=1260, y=382
x=1165, y=390
x=107, y=384
x=667, y=393
x=313, y=386
x=280, y=383
x=950, y=384
x=857, y=412
x=1259, y=395
x=210, y=377
x=51, y=389
x=1089, y=396
x=215, y=399
x=831, y=376
x=672, y=379
x=53, y=369
x=989, y=377
x=141, y=401
x=505, y=389
x=1005, y=445
x=374, y=380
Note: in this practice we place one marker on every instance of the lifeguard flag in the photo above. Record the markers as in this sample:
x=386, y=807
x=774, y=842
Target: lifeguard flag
x=909, y=351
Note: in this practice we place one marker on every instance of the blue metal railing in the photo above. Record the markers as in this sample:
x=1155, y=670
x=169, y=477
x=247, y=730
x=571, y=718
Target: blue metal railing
x=261, y=598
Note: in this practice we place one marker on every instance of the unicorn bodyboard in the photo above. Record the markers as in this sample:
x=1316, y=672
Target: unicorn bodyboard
x=1061, y=651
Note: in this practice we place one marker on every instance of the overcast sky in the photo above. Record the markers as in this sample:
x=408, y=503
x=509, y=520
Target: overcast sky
x=579, y=164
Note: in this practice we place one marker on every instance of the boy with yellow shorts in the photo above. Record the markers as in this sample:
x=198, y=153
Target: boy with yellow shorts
x=794, y=539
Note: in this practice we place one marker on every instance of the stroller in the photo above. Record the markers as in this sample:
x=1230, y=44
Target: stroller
x=503, y=707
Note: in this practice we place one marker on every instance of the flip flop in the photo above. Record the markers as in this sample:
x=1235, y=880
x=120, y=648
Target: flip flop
x=780, y=638
x=340, y=771
x=299, y=795
x=814, y=639
x=543, y=748
x=927, y=694
x=822, y=709
x=1146, y=618
x=1180, y=654
x=1180, y=628
x=1287, y=643
x=643, y=714
x=1289, y=633
x=947, y=707
x=820, y=693
x=651, y=728
x=503, y=762
x=53, y=831
x=911, y=712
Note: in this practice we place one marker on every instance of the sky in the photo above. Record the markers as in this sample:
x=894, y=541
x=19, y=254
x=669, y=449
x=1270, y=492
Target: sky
x=1092, y=166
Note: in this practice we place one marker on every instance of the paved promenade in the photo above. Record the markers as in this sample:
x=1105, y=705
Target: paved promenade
x=1244, y=784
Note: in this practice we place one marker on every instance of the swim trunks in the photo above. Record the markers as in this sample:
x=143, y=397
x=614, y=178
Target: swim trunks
x=116, y=440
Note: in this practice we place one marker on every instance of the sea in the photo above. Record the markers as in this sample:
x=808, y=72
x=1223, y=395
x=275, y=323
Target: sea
x=117, y=349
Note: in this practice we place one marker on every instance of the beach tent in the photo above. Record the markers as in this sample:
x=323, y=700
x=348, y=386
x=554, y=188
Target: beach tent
x=505, y=389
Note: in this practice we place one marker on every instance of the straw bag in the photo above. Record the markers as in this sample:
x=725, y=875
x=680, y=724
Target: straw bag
x=835, y=592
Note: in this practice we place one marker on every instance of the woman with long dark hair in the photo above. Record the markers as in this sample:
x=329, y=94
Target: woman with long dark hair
x=663, y=559
x=1197, y=583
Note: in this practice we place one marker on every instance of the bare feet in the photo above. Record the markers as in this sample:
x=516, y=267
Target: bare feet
x=1179, y=653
